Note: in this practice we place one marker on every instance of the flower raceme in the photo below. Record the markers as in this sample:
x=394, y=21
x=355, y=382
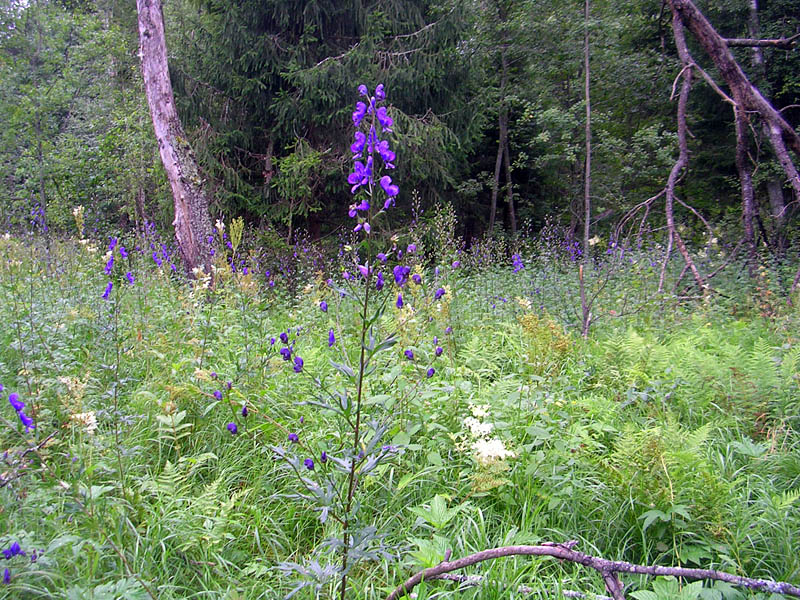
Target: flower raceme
x=368, y=115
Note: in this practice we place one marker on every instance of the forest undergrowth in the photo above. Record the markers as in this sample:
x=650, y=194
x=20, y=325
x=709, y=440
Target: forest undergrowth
x=172, y=438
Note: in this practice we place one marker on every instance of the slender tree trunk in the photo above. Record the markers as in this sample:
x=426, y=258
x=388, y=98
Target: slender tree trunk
x=744, y=93
x=774, y=185
x=746, y=181
x=502, y=126
x=192, y=222
x=512, y=214
x=683, y=156
x=587, y=177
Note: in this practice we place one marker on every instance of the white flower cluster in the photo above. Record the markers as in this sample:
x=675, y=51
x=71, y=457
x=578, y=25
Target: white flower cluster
x=487, y=451
x=87, y=419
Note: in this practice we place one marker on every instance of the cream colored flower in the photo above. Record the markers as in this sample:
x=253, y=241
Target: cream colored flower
x=477, y=428
x=87, y=419
x=488, y=452
x=479, y=410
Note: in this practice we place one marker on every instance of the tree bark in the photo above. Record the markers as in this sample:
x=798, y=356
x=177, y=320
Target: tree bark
x=746, y=181
x=683, y=156
x=586, y=313
x=192, y=222
x=744, y=93
x=512, y=214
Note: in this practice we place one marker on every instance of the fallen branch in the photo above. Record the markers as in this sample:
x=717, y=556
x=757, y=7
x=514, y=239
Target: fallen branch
x=784, y=42
x=465, y=581
x=608, y=569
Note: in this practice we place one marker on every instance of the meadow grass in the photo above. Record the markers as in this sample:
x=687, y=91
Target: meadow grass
x=669, y=436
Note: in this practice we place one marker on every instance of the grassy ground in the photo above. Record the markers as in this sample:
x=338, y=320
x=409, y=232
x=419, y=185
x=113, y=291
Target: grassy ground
x=668, y=437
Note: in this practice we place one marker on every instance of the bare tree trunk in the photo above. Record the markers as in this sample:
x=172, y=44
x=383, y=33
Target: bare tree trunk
x=587, y=177
x=502, y=126
x=192, y=222
x=495, y=184
x=683, y=145
x=773, y=184
x=746, y=180
x=512, y=214
x=745, y=94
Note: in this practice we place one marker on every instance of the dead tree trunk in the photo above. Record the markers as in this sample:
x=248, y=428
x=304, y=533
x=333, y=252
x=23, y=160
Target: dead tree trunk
x=744, y=93
x=192, y=222
x=586, y=313
x=683, y=157
x=746, y=97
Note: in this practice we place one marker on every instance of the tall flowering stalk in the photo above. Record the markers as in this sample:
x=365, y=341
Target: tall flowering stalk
x=331, y=479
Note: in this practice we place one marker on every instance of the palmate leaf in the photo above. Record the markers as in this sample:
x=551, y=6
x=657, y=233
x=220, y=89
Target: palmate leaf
x=438, y=515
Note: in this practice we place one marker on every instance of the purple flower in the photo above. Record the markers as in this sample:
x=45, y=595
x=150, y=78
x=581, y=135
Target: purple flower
x=448, y=330
x=439, y=293
x=13, y=550
x=401, y=274
x=108, y=290
x=331, y=338
x=323, y=457
x=157, y=259
x=293, y=438
x=431, y=372
x=346, y=275
x=309, y=464
x=387, y=156
x=26, y=420
x=517, y=262
x=122, y=252
x=112, y=243
x=244, y=410
x=18, y=404
x=439, y=350
x=383, y=118
x=379, y=93
x=272, y=341
x=411, y=248
x=381, y=257
x=229, y=385
x=435, y=340
x=359, y=113
x=298, y=364
x=109, y=265
x=284, y=337
x=232, y=428
x=409, y=354
x=217, y=394
x=456, y=264
x=379, y=282
x=361, y=175
x=286, y=353
x=129, y=277
x=362, y=89
x=363, y=269
x=323, y=306
x=390, y=189
x=213, y=375
x=358, y=146
x=6, y=576
x=416, y=278
x=399, y=300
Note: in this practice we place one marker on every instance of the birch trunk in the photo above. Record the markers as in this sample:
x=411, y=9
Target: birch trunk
x=192, y=223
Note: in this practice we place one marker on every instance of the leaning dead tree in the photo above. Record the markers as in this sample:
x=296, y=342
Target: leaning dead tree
x=747, y=100
x=747, y=103
x=609, y=570
x=192, y=222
